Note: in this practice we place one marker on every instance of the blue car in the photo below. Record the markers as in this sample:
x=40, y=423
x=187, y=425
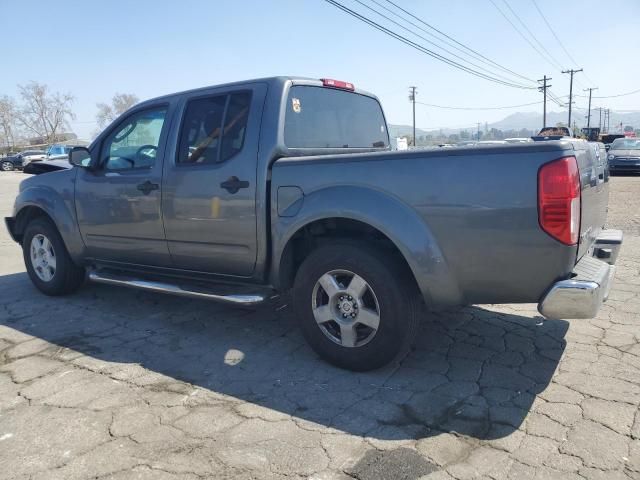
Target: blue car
x=11, y=162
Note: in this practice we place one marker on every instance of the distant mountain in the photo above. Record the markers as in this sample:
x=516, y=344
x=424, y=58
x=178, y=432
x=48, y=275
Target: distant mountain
x=531, y=121
x=402, y=130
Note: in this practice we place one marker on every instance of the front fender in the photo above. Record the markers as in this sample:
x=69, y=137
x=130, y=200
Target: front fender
x=57, y=201
x=395, y=219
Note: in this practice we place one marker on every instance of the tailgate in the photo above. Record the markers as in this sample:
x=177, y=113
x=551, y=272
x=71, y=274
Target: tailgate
x=594, y=179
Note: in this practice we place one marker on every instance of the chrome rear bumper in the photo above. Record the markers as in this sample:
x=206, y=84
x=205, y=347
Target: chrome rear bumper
x=582, y=295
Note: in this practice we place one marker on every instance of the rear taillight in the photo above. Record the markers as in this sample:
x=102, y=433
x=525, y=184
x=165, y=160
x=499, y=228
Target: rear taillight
x=559, y=199
x=329, y=82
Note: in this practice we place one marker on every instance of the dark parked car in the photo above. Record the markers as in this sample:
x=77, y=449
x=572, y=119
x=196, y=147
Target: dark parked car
x=11, y=162
x=624, y=155
x=284, y=184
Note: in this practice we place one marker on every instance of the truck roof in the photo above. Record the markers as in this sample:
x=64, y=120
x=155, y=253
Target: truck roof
x=277, y=81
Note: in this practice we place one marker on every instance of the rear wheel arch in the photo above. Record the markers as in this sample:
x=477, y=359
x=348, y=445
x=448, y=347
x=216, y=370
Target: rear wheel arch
x=328, y=230
x=404, y=226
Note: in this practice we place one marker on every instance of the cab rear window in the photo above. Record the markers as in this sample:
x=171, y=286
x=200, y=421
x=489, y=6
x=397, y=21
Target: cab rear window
x=319, y=117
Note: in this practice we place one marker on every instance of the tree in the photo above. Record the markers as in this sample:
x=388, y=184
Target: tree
x=42, y=113
x=8, y=120
x=120, y=103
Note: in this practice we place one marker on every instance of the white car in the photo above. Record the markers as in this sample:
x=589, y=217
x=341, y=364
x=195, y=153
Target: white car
x=29, y=156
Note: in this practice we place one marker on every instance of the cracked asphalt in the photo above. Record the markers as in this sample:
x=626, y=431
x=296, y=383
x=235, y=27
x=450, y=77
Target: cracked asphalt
x=121, y=384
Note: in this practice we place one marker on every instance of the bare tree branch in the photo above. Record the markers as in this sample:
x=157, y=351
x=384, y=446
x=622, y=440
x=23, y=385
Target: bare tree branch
x=8, y=119
x=120, y=103
x=42, y=113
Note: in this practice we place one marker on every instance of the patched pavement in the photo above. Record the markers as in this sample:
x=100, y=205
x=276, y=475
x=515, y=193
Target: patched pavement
x=120, y=384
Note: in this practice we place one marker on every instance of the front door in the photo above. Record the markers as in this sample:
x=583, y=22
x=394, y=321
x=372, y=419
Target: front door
x=209, y=200
x=118, y=203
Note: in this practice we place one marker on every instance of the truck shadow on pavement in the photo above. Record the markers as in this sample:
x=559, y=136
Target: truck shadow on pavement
x=473, y=371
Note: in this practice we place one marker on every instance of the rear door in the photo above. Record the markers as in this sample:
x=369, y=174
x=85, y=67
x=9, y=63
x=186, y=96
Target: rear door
x=209, y=200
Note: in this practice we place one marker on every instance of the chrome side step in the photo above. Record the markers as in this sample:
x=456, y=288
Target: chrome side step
x=110, y=278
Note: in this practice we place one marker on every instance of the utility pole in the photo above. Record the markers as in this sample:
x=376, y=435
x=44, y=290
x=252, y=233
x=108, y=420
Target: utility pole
x=412, y=98
x=589, y=114
x=600, y=123
x=570, y=91
x=543, y=89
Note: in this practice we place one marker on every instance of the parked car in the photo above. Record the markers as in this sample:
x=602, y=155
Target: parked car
x=283, y=184
x=11, y=162
x=624, y=155
x=59, y=162
x=58, y=151
x=608, y=138
x=29, y=156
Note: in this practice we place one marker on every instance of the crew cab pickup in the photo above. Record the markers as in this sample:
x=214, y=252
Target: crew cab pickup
x=285, y=184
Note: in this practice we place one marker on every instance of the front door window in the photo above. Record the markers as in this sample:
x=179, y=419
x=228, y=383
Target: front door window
x=134, y=143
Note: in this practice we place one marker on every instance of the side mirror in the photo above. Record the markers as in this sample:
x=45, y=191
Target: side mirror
x=607, y=147
x=80, y=157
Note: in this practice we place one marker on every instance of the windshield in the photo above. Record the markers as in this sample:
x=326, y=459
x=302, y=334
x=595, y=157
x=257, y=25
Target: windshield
x=319, y=117
x=625, y=144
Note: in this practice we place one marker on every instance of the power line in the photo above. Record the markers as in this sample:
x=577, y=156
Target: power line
x=556, y=99
x=531, y=33
x=613, y=96
x=477, y=54
x=479, y=108
x=522, y=34
x=423, y=49
x=497, y=75
x=554, y=33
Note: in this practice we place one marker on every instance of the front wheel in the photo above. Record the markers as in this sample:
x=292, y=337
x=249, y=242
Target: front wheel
x=358, y=307
x=48, y=263
x=6, y=166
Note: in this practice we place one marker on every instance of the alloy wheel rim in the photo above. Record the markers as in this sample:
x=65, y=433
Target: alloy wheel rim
x=6, y=166
x=43, y=257
x=345, y=308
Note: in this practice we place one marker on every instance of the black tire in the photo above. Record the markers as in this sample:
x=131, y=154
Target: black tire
x=6, y=166
x=392, y=285
x=67, y=277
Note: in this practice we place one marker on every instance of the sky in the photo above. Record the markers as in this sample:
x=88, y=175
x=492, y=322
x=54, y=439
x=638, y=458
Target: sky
x=149, y=48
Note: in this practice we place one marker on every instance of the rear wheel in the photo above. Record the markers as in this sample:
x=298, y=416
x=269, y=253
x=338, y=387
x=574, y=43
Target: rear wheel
x=48, y=263
x=358, y=308
x=6, y=166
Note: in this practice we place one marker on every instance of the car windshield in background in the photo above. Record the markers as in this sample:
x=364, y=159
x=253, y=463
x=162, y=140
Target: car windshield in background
x=625, y=144
x=319, y=117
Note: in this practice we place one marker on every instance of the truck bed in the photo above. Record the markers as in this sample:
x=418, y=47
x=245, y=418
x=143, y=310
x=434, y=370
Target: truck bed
x=479, y=203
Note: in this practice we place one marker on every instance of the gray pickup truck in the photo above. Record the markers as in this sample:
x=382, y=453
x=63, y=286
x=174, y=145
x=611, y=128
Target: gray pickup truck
x=238, y=191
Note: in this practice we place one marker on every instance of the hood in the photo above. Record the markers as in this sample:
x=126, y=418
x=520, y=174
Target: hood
x=624, y=153
x=36, y=168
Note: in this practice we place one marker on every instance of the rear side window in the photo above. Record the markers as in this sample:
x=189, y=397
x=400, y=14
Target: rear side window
x=319, y=117
x=213, y=129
